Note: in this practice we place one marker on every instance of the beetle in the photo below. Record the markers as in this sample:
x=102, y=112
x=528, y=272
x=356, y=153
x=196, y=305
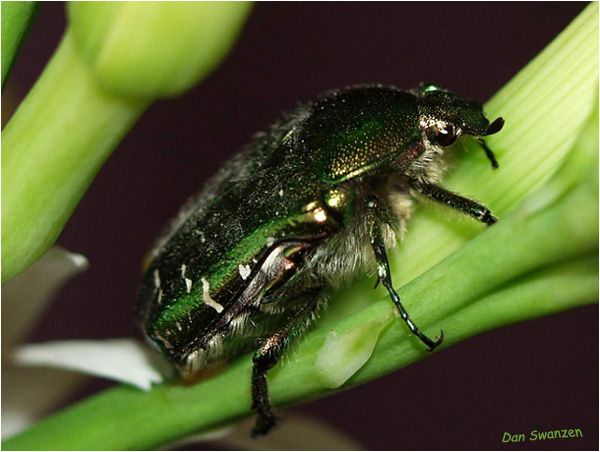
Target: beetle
x=319, y=197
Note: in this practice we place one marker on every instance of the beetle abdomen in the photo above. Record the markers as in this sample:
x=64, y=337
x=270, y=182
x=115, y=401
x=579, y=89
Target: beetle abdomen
x=202, y=265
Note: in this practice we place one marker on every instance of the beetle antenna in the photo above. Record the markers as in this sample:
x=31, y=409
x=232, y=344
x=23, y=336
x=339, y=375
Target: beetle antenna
x=495, y=127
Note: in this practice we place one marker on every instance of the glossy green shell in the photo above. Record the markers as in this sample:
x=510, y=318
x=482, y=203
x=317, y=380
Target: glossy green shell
x=265, y=195
x=357, y=130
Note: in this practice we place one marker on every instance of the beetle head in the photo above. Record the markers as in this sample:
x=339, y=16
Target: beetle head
x=444, y=116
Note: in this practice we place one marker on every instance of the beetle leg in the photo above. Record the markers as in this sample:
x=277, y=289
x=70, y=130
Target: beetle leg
x=266, y=357
x=384, y=275
x=464, y=205
x=488, y=152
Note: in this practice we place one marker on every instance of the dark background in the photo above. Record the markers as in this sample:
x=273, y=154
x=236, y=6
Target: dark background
x=539, y=375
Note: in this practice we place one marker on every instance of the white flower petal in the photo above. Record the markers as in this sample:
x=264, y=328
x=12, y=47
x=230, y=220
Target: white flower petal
x=27, y=394
x=123, y=360
x=25, y=296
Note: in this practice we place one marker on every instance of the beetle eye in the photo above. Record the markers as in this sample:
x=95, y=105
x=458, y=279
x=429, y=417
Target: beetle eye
x=445, y=137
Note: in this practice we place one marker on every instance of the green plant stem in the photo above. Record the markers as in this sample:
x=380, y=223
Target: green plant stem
x=51, y=150
x=115, y=58
x=16, y=20
x=531, y=277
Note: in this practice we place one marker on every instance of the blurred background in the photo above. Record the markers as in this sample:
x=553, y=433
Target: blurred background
x=541, y=375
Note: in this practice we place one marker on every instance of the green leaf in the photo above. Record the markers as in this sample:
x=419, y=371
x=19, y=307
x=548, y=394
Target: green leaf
x=545, y=107
x=16, y=20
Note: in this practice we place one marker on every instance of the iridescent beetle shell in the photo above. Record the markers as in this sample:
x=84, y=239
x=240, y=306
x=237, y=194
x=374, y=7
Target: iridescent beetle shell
x=356, y=131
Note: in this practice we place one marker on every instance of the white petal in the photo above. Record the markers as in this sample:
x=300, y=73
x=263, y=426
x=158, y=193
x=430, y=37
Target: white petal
x=123, y=360
x=27, y=394
x=25, y=296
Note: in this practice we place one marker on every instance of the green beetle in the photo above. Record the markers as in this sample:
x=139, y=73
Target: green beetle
x=316, y=199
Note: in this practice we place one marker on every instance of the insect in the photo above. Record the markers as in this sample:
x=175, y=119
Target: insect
x=319, y=197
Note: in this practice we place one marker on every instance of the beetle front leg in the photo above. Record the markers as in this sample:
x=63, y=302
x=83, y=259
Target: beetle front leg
x=384, y=276
x=488, y=152
x=265, y=358
x=457, y=202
